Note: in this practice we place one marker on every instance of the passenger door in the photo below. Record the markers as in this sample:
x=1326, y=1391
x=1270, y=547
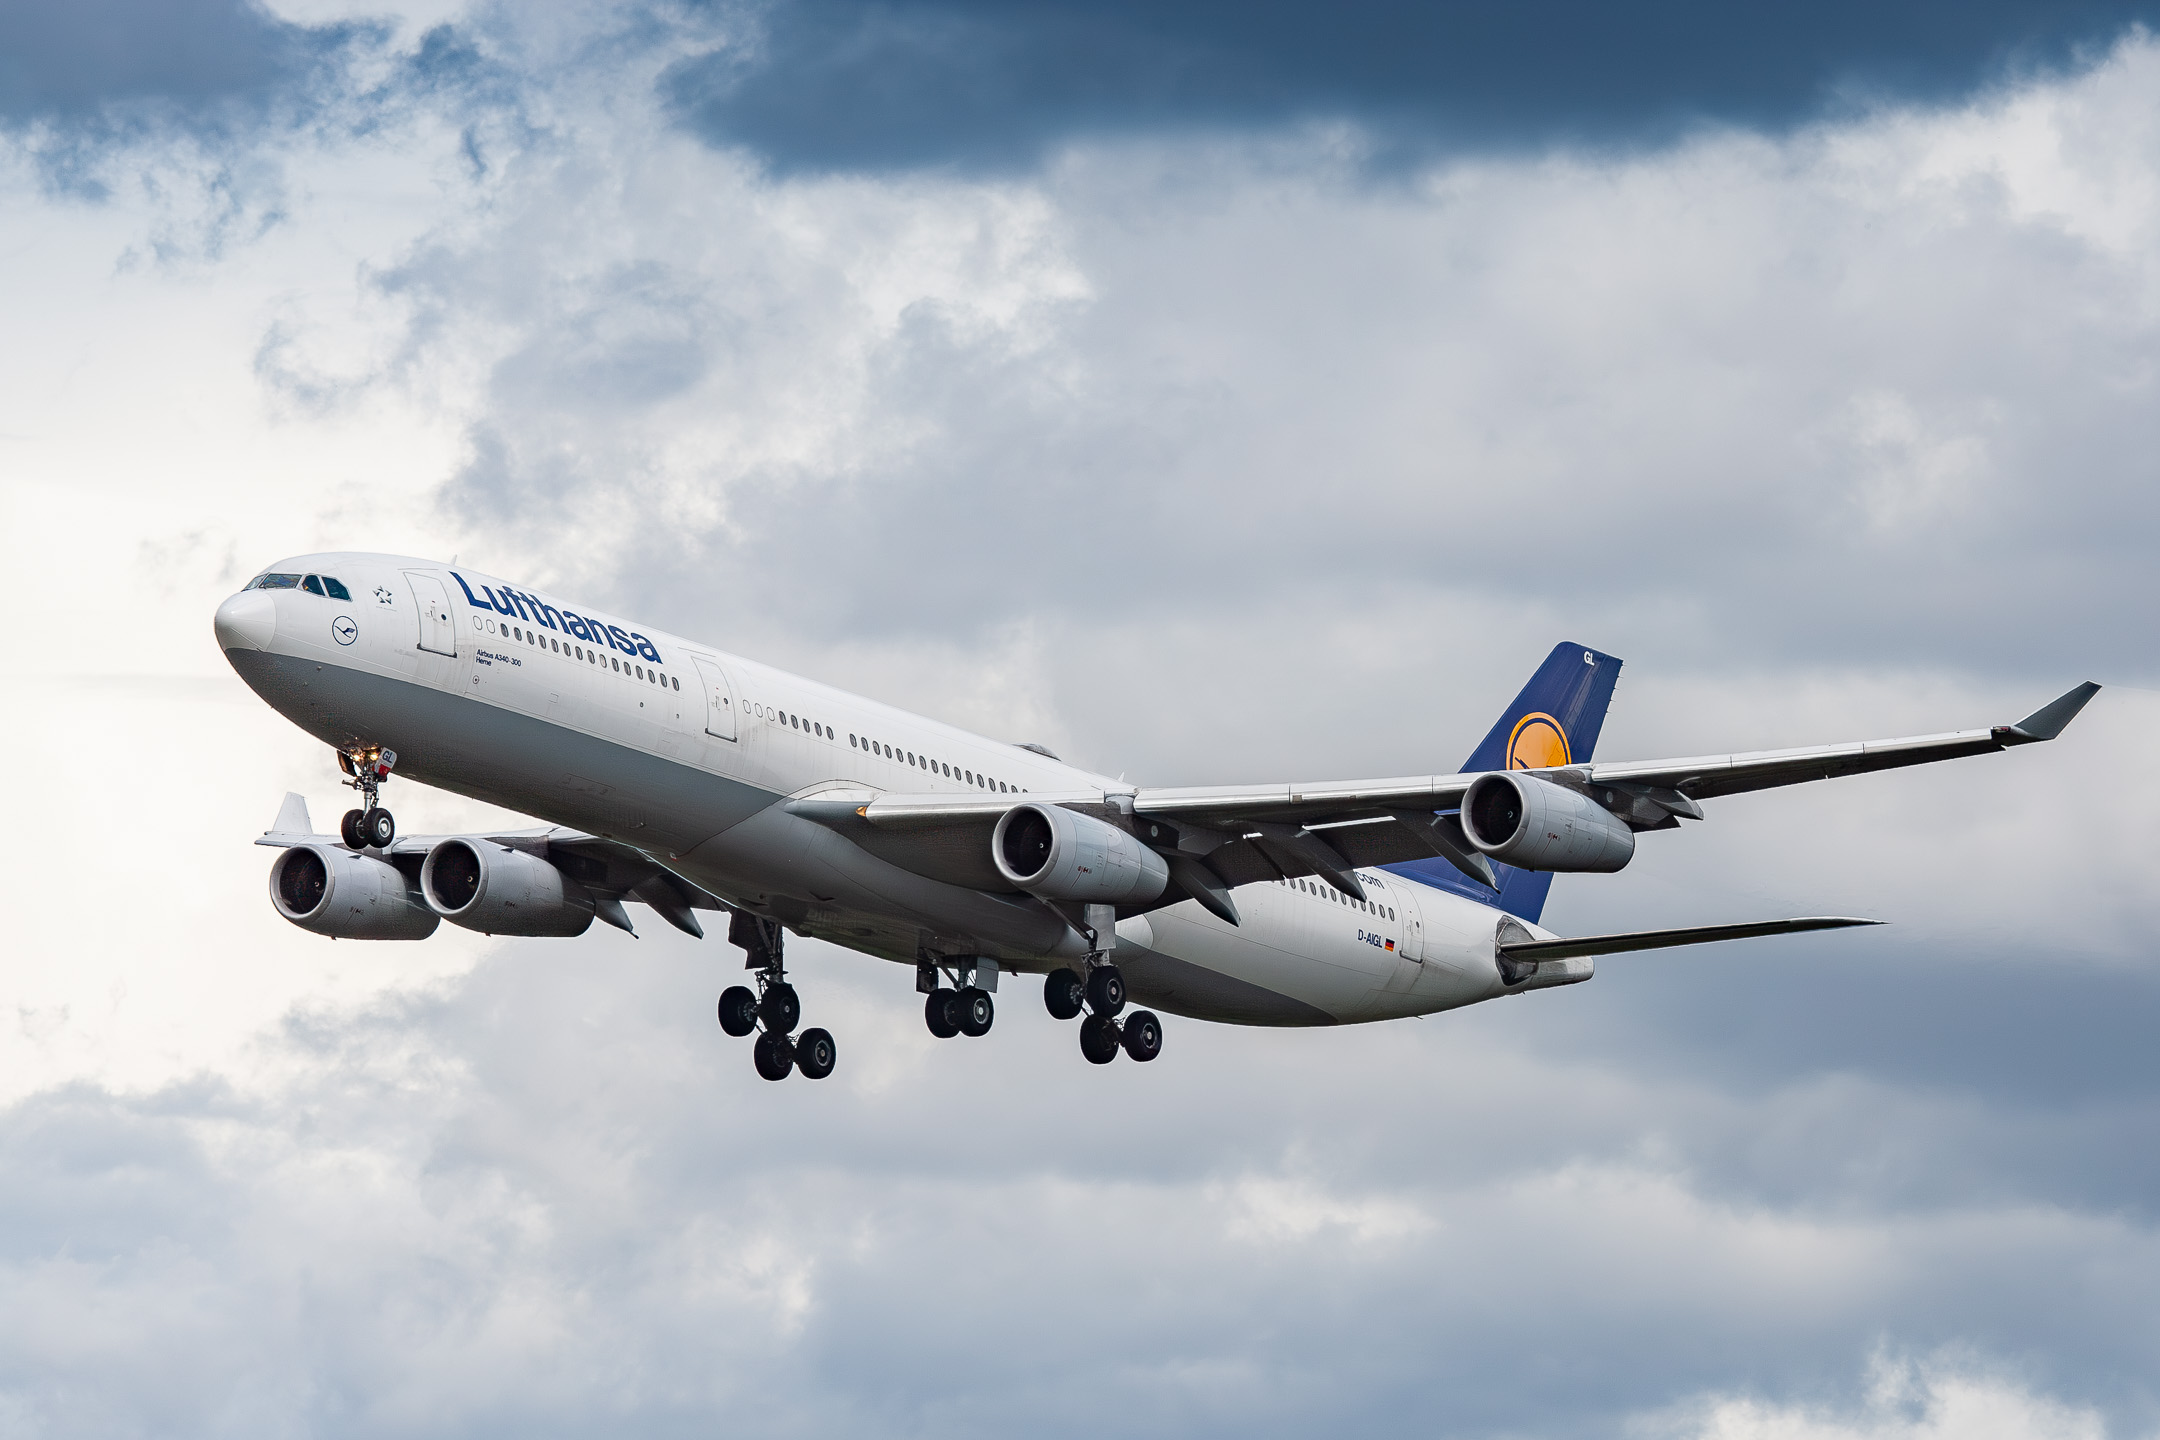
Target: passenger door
x=719, y=698
x=438, y=630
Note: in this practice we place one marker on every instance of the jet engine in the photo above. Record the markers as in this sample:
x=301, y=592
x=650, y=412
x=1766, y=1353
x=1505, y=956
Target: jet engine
x=499, y=891
x=1533, y=824
x=347, y=896
x=1060, y=854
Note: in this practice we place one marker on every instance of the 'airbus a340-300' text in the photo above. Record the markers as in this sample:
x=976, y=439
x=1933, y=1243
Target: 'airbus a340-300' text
x=679, y=777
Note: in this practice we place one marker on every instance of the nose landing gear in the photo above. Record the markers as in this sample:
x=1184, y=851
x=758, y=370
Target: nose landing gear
x=370, y=827
x=774, y=1006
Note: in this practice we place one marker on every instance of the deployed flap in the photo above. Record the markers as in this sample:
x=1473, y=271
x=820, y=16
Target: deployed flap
x=1528, y=950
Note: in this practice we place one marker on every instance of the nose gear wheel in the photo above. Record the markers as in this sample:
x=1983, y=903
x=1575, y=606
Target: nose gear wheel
x=371, y=826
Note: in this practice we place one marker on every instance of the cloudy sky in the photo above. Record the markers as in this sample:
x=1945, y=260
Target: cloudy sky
x=1213, y=392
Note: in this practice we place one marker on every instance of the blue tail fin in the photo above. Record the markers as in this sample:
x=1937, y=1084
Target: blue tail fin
x=1554, y=721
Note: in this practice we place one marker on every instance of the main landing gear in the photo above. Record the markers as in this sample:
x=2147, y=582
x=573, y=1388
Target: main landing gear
x=1102, y=992
x=773, y=1008
x=369, y=827
x=967, y=1008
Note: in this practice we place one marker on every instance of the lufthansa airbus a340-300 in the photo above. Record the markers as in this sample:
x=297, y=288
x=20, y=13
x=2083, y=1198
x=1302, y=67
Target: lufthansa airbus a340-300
x=685, y=779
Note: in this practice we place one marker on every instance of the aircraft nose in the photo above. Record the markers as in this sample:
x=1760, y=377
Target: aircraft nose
x=246, y=621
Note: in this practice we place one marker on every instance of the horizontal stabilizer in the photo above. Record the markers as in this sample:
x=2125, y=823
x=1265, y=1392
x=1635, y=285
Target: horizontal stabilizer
x=1666, y=939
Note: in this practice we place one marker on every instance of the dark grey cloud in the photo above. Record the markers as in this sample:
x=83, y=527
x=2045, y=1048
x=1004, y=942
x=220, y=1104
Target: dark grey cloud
x=199, y=105
x=883, y=84
x=74, y=60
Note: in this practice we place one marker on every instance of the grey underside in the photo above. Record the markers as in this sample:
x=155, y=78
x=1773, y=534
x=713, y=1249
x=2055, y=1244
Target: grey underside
x=503, y=757
x=1183, y=988
x=537, y=767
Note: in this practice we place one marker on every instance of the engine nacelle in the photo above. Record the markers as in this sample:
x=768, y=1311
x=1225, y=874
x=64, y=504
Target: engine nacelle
x=1060, y=854
x=345, y=895
x=1533, y=824
x=499, y=891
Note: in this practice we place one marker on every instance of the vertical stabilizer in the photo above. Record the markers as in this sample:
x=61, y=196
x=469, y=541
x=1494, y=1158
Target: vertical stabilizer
x=292, y=817
x=1554, y=721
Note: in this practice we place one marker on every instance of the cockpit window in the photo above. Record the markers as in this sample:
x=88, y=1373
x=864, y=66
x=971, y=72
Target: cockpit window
x=274, y=582
x=312, y=585
x=335, y=589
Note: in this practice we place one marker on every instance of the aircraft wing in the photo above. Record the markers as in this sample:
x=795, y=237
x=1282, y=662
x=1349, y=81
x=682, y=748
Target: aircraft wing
x=1328, y=827
x=1707, y=776
x=611, y=871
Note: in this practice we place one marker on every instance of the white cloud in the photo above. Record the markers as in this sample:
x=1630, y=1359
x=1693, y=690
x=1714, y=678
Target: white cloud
x=1938, y=1399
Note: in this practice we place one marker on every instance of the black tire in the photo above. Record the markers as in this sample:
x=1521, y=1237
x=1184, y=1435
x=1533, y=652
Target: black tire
x=738, y=1010
x=774, y=1055
x=1105, y=990
x=815, y=1055
x=976, y=1011
x=379, y=828
x=941, y=1012
x=1099, y=1039
x=349, y=830
x=1142, y=1037
x=781, y=1009
x=1064, y=994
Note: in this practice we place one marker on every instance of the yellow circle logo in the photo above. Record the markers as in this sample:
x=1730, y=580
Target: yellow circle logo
x=1538, y=742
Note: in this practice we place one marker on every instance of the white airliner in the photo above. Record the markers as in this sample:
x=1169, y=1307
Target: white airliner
x=683, y=778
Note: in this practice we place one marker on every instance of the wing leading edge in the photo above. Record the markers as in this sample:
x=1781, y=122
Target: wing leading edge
x=1245, y=834
x=1377, y=822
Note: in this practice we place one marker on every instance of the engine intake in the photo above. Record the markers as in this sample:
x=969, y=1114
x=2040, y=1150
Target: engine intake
x=499, y=891
x=1533, y=824
x=337, y=892
x=1060, y=854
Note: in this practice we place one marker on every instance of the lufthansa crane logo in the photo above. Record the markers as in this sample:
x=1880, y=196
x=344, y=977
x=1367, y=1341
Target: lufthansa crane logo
x=343, y=630
x=1538, y=742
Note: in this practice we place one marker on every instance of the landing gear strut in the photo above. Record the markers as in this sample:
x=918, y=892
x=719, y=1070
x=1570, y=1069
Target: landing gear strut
x=371, y=825
x=1102, y=991
x=773, y=1007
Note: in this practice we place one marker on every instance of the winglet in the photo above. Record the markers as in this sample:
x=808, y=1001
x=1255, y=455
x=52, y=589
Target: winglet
x=2050, y=719
x=292, y=817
